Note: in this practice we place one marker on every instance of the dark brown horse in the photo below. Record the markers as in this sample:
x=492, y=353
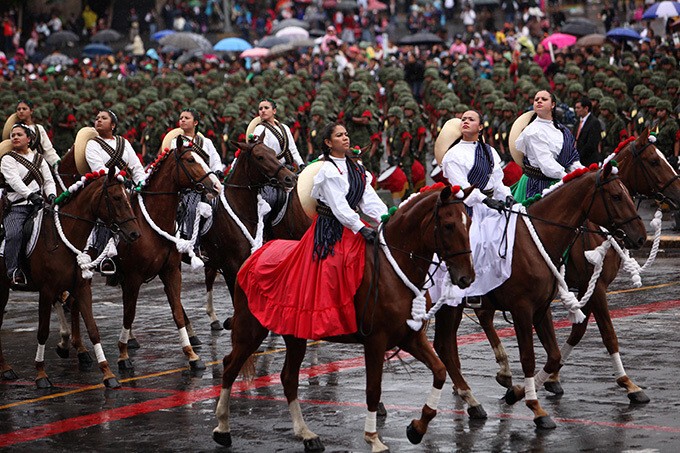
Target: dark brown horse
x=54, y=269
x=155, y=255
x=596, y=196
x=645, y=172
x=441, y=222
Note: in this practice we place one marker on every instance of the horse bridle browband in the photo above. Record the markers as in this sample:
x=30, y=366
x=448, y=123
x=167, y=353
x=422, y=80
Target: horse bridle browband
x=599, y=188
x=444, y=255
x=271, y=180
x=197, y=183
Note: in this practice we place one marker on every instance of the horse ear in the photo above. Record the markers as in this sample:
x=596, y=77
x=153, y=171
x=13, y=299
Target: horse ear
x=112, y=173
x=468, y=191
x=446, y=193
x=239, y=145
x=607, y=170
x=260, y=139
x=642, y=139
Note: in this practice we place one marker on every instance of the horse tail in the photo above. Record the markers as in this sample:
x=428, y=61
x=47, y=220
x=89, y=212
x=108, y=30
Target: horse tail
x=248, y=369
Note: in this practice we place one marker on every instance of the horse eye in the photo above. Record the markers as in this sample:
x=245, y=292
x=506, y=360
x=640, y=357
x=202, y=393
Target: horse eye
x=191, y=160
x=260, y=158
x=655, y=162
x=616, y=197
x=448, y=227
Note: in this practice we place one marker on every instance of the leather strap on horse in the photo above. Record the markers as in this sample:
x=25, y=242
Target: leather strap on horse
x=196, y=145
x=115, y=154
x=282, y=138
x=33, y=167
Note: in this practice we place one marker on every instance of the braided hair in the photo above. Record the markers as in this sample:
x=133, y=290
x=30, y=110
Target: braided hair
x=553, y=112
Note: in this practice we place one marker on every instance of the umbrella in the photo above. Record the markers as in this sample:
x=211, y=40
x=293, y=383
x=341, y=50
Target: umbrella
x=190, y=54
x=579, y=27
x=419, y=38
x=62, y=37
x=316, y=32
x=290, y=23
x=160, y=34
x=594, y=39
x=281, y=49
x=375, y=5
x=255, y=52
x=662, y=9
x=292, y=33
x=559, y=40
x=271, y=41
x=96, y=49
x=306, y=42
x=479, y=3
x=170, y=49
x=232, y=45
x=187, y=41
x=106, y=36
x=329, y=4
x=55, y=59
x=623, y=34
x=347, y=5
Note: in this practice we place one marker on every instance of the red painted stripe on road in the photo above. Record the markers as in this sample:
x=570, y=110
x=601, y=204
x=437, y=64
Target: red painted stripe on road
x=190, y=397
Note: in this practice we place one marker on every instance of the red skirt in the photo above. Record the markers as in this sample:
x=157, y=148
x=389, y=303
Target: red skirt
x=291, y=294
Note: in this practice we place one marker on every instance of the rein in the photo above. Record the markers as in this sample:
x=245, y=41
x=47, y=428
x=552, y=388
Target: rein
x=271, y=180
x=660, y=197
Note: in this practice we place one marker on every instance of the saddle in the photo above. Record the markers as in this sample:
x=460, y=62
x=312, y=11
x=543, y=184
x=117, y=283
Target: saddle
x=277, y=199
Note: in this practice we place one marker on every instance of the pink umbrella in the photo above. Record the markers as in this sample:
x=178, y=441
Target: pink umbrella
x=255, y=52
x=375, y=5
x=559, y=40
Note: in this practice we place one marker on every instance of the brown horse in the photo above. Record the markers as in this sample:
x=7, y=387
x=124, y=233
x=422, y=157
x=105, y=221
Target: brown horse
x=595, y=196
x=442, y=224
x=154, y=255
x=645, y=172
x=54, y=268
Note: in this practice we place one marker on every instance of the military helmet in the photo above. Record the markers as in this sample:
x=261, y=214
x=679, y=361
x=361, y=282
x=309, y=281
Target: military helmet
x=395, y=111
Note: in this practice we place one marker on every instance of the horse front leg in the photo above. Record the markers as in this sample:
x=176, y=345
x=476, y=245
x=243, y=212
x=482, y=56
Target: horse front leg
x=6, y=371
x=446, y=345
x=130, y=286
x=210, y=276
x=194, y=341
x=44, y=312
x=418, y=346
x=374, y=355
x=504, y=374
x=290, y=378
x=64, y=327
x=172, y=283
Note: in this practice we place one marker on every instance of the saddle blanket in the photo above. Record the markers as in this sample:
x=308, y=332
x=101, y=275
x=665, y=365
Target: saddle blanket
x=33, y=239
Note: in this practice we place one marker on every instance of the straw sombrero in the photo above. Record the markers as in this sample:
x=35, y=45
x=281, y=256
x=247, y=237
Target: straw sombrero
x=169, y=137
x=11, y=121
x=251, y=127
x=5, y=147
x=451, y=132
x=305, y=183
x=516, y=129
x=84, y=135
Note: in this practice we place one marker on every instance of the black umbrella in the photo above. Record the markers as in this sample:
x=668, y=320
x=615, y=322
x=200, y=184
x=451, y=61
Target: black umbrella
x=289, y=23
x=61, y=38
x=106, y=36
x=420, y=38
x=479, y=3
x=55, y=59
x=347, y=5
x=270, y=41
x=579, y=27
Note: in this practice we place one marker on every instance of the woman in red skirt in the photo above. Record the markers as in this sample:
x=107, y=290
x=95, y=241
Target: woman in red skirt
x=306, y=288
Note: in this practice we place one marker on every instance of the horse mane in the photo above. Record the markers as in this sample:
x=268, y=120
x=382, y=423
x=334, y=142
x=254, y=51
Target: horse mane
x=566, y=179
x=153, y=166
x=426, y=189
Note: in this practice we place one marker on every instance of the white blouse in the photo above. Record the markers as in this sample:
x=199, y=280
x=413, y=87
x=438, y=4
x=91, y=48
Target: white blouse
x=215, y=163
x=49, y=153
x=14, y=173
x=331, y=187
x=273, y=143
x=541, y=143
x=97, y=158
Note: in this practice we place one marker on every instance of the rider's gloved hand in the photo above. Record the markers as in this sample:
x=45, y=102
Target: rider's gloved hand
x=368, y=233
x=36, y=199
x=509, y=201
x=50, y=198
x=494, y=204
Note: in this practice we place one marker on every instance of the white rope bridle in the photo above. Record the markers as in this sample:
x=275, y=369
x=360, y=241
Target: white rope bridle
x=262, y=209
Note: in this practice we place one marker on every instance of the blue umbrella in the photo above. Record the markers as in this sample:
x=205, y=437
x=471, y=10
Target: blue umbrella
x=624, y=34
x=232, y=45
x=96, y=49
x=159, y=34
x=662, y=9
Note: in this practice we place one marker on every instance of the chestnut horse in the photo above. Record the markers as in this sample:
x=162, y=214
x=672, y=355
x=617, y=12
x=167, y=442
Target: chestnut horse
x=154, y=255
x=645, y=172
x=54, y=268
x=441, y=224
x=557, y=218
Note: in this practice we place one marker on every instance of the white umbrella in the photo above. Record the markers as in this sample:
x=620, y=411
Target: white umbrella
x=293, y=32
x=187, y=41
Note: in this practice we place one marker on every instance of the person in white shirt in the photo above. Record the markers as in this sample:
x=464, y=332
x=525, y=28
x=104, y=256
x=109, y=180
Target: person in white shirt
x=29, y=181
x=277, y=135
x=42, y=143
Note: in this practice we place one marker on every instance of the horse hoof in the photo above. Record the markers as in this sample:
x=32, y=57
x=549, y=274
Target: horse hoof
x=197, y=364
x=195, y=341
x=112, y=383
x=9, y=375
x=477, y=412
x=381, y=412
x=133, y=343
x=545, y=422
x=554, y=387
x=43, y=383
x=215, y=325
x=313, y=444
x=62, y=352
x=84, y=358
x=510, y=397
x=413, y=436
x=125, y=364
x=638, y=397
x=504, y=381
x=227, y=323
x=223, y=439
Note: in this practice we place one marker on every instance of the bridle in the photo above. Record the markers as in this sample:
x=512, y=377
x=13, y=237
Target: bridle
x=115, y=227
x=599, y=189
x=636, y=152
x=198, y=185
x=270, y=180
x=444, y=255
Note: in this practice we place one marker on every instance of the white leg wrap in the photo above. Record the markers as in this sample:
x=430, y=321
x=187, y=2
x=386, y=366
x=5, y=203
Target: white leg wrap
x=40, y=353
x=618, y=365
x=184, y=337
x=566, y=352
x=433, y=399
x=540, y=378
x=371, y=422
x=99, y=353
x=530, y=389
x=222, y=411
x=124, y=335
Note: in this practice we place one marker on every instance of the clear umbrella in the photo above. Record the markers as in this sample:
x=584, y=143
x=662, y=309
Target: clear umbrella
x=187, y=41
x=106, y=36
x=62, y=37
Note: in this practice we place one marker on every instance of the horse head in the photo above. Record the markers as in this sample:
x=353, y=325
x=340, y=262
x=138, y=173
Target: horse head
x=194, y=173
x=612, y=207
x=645, y=170
x=257, y=165
x=113, y=207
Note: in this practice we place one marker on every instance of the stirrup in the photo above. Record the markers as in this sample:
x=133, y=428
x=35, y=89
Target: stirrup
x=107, y=267
x=474, y=302
x=18, y=279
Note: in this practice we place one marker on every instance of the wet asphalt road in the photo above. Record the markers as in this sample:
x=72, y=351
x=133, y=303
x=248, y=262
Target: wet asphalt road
x=165, y=407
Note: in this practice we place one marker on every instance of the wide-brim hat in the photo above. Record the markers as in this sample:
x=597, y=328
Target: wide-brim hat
x=170, y=136
x=11, y=121
x=253, y=124
x=83, y=136
x=5, y=147
x=516, y=129
x=452, y=131
x=305, y=183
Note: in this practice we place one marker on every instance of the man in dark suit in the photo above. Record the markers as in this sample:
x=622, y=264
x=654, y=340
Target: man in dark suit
x=587, y=132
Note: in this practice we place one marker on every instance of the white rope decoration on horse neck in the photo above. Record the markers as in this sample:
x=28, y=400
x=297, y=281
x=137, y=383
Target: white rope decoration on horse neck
x=262, y=209
x=84, y=260
x=182, y=245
